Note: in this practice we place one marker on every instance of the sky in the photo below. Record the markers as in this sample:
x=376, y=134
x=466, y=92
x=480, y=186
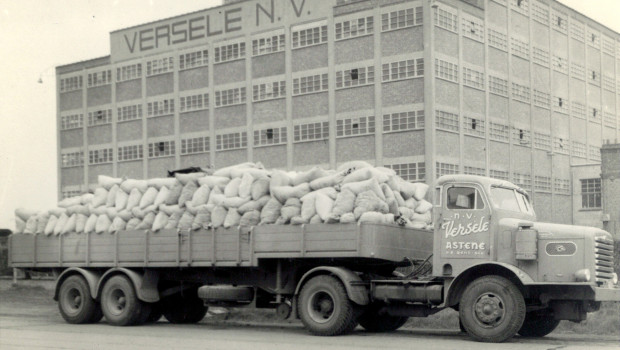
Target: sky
x=37, y=35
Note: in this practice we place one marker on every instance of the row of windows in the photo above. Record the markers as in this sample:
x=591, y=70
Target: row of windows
x=472, y=27
x=72, y=159
x=591, y=193
x=99, y=156
x=235, y=140
x=267, y=91
x=193, y=102
x=400, y=121
x=129, y=72
x=409, y=171
x=72, y=121
x=446, y=18
x=229, y=52
x=103, y=116
x=402, y=69
x=159, y=108
x=355, y=77
x=268, y=44
x=161, y=149
x=355, y=27
x=132, y=112
x=159, y=66
x=310, y=36
x=310, y=84
x=311, y=131
x=446, y=70
x=99, y=78
x=270, y=136
x=194, y=59
x=355, y=126
x=70, y=83
x=195, y=145
x=131, y=152
x=401, y=18
x=230, y=97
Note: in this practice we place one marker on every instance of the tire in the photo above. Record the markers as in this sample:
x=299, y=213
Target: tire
x=183, y=309
x=373, y=322
x=155, y=314
x=492, y=309
x=119, y=302
x=75, y=302
x=538, y=325
x=325, y=309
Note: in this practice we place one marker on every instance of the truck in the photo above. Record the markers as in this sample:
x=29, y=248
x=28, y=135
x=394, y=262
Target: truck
x=487, y=257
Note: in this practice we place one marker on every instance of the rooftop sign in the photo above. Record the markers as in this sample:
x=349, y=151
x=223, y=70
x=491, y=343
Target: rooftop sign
x=213, y=24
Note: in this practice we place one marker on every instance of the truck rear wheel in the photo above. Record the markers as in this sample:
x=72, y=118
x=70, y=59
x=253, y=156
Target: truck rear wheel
x=538, y=325
x=373, y=322
x=325, y=308
x=184, y=309
x=492, y=309
x=119, y=302
x=75, y=302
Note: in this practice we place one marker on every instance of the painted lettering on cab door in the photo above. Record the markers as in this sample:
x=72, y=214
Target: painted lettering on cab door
x=452, y=228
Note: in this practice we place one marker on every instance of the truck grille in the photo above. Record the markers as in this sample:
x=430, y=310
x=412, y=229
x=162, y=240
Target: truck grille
x=604, y=254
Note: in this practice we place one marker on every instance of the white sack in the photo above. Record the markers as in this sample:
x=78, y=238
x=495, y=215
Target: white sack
x=108, y=182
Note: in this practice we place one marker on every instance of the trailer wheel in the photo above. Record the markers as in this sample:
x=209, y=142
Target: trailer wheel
x=119, y=302
x=155, y=314
x=183, y=309
x=492, y=309
x=75, y=302
x=374, y=322
x=325, y=308
x=538, y=325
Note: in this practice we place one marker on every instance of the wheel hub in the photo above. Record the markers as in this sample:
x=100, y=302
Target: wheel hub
x=117, y=302
x=489, y=309
x=321, y=307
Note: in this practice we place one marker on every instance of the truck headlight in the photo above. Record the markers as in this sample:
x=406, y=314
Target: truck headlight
x=614, y=278
x=583, y=275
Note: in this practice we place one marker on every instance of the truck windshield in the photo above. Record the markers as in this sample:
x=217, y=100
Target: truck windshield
x=510, y=199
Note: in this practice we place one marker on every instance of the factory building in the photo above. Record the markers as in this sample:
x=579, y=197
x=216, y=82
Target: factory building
x=522, y=90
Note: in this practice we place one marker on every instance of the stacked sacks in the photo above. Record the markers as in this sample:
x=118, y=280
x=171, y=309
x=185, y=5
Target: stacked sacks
x=245, y=194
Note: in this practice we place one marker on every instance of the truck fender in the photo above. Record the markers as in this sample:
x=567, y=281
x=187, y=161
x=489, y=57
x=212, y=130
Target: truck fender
x=358, y=293
x=456, y=286
x=145, y=284
x=91, y=277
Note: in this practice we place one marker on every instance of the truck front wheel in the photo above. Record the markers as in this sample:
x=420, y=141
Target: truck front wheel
x=538, y=325
x=492, y=309
x=75, y=302
x=325, y=308
x=119, y=302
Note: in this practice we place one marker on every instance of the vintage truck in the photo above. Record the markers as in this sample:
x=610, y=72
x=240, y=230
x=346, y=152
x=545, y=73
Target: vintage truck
x=488, y=258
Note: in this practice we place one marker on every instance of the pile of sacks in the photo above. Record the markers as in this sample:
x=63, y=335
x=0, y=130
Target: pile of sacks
x=246, y=194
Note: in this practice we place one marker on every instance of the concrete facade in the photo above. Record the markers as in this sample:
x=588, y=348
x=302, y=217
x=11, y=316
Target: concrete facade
x=520, y=90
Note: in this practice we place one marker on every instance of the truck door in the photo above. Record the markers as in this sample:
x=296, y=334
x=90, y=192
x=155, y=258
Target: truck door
x=464, y=226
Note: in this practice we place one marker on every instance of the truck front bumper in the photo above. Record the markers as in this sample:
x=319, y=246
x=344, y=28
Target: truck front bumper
x=606, y=294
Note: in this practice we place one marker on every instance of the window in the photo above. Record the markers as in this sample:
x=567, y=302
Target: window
x=520, y=6
x=102, y=116
x=499, y=174
x=473, y=126
x=193, y=59
x=561, y=145
x=69, y=193
x=542, y=183
x=595, y=114
x=609, y=119
x=521, y=136
x=403, y=121
x=594, y=152
x=540, y=56
x=270, y=136
x=409, y=171
x=561, y=186
x=447, y=121
x=354, y=27
x=401, y=18
x=609, y=83
x=498, y=39
x=591, y=193
x=126, y=113
x=159, y=108
x=498, y=86
x=470, y=170
x=446, y=169
x=522, y=180
x=577, y=70
x=519, y=47
x=99, y=156
x=446, y=70
x=355, y=126
x=542, y=141
x=579, y=149
x=73, y=121
x=235, y=140
x=229, y=52
x=129, y=72
x=100, y=78
x=268, y=91
x=541, y=99
x=594, y=77
x=559, y=22
x=194, y=145
x=131, y=152
x=593, y=38
x=578, y=109
x=310, y=84
x=521, y=92
x=311, y=132
x=268, y=44
x=505, y=199
x=472, y=27
x=161, y=149
x=577, y=30
x=70, y=84
x=355, y=77
x=193, y=102
x=559, y=64
x=540, y=12
x=608, y=45
x=464, y=198
x=498, y=132
x=473, y=78
x=310, y=36
x=71, y=159
x=159, y=66
x=402, y=69
x=446, y=18
x=230, y=97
